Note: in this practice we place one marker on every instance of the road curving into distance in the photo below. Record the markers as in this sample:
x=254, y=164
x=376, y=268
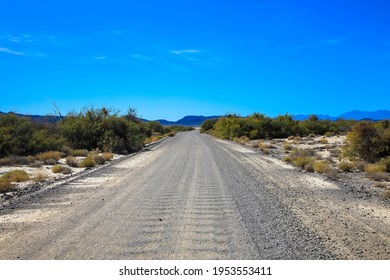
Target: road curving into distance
x=193, y=197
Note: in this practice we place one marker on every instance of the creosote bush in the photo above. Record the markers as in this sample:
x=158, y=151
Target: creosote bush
x=99, y=159
x=58, y=168
x=72, y=161
x=108, y=156
x=345, y=166
x=302, y=161
x=6, y=186
x=16, y=176
x=88, y=162
x=321, y=167
x=51, y=157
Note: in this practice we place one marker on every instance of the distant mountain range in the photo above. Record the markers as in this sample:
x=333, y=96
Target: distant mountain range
x=188, y=120
x=352, y=115
x=198, y=120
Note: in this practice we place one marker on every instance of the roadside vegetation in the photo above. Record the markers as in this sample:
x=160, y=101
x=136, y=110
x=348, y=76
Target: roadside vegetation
x=82, y=139
x=365, y=146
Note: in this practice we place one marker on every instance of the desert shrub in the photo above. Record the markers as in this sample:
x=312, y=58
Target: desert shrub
x=103, y=129
x=369, y=168
x=379, y=185
x=107, y=156
x=263, y=146
x=332, y=173
x=88, y=162
x=386, y=163
x=323, y=141
x=99, y=159
x=361, y=165
x=288, y=159
x=16, y=176
x=309, y=167
x=78, y=153
x=303, y=152
x=321, y=167
x=51, y=157
x=369, y=141
x=345, y=166
x=16, y=160
x=57, y=168
x=40, y=175
x=301, y=161
x=72, y=161
x=376, y=172
x=6, y=186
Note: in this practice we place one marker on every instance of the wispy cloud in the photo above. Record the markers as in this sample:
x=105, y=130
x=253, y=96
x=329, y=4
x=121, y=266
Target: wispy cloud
x=100, y=57
x=9, y=51
x=141, y=57
x=185, y=51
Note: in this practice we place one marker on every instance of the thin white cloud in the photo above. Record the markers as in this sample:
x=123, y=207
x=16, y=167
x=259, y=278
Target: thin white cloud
x=141, y=57
x=185, y=51
x=9, y=51
x=100, y=57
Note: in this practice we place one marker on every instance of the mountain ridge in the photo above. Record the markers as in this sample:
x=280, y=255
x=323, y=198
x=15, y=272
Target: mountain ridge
x=195, y=120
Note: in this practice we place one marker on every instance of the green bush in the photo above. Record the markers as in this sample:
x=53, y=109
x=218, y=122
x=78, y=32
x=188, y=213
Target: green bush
x=16, y=176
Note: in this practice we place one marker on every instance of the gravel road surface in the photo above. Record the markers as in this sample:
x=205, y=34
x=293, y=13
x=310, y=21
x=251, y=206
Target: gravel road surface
x=195, y=197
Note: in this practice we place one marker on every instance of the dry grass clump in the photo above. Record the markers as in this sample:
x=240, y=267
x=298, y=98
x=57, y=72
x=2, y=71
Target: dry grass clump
x=78, y=153
x=288, y=159
x=376, y=172
x=263, y=146
x=88, y=162
x=16, y=176
x=58, y=168
x=345, y=166
x=302, y=161
x=303, y=152
x=51, y=157
x=321, y=167
x=332, y=173
x=40, y=175
x=309, y=167
x=323, y=140
x=99, y=160
x=241, y=140
x=379, y=185
x=72, y=161
x=6, y=186
x=361, y=165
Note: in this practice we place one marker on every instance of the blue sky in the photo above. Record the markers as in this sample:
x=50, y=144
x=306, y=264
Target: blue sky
x=174, y=58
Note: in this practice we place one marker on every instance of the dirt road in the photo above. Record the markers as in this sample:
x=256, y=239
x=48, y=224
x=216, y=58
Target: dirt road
x=194, y=197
